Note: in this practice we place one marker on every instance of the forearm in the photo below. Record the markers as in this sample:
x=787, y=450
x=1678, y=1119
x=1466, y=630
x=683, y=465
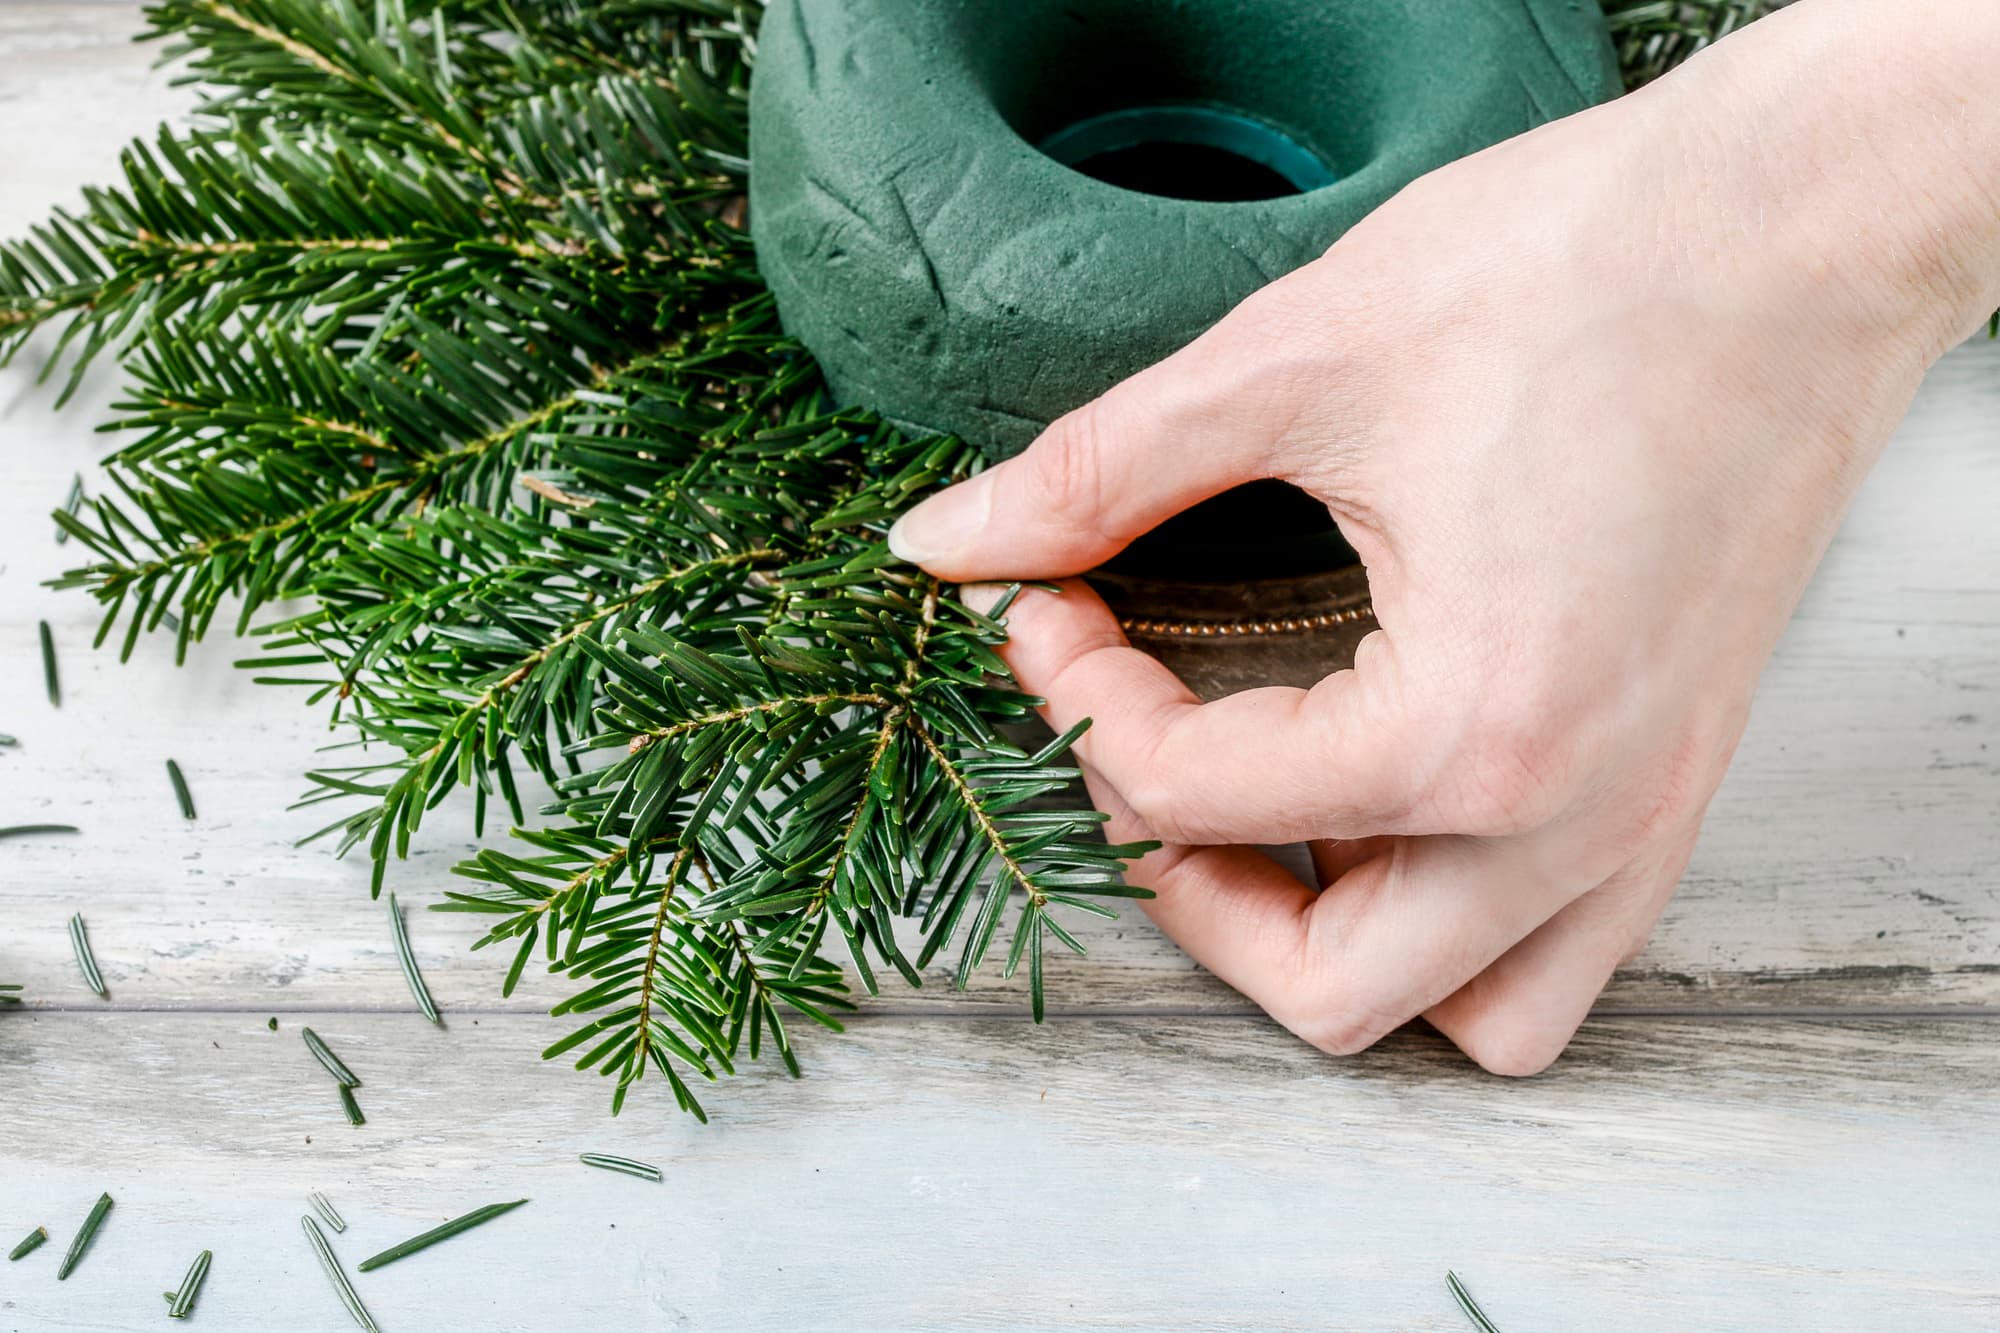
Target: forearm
x=1862, y=139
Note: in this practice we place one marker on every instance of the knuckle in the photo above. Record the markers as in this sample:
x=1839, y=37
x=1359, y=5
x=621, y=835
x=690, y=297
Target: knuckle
x=1154, y=804
x=1330, y=1012
x=1069, y=462
x=1511, y=781
x=1157, y=782
x=1670, y=788
x=1514, y=1048
x=1512, y=1032
x=1339, y=1026
x=1164, y=812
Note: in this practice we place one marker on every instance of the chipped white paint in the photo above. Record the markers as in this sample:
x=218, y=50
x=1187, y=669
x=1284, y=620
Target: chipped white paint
x=978, y=1174
x=1155, y=1156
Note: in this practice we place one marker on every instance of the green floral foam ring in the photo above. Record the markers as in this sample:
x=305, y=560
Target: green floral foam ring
x=980, y=214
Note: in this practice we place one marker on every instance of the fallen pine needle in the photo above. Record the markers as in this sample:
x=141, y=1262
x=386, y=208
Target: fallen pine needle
x=624, y=1164
x=436, y=1234
x=190, y=1286
x=324, y=1207
x=337, y=1274
x=29, y=830
x=409, y=961
x=1468, y=1305
x=181, y=792
x=84, y=958
x=84, y=1236
x=50, y=676
x=328, y=1060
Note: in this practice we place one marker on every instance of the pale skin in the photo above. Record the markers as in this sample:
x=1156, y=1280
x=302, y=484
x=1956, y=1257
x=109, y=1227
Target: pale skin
x=1590, y=406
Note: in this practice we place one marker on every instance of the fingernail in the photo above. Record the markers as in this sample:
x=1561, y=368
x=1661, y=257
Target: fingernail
x=943, y=525
x=981, y=598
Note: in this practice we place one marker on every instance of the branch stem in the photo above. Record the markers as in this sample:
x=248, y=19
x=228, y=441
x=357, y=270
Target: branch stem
x=969, y=795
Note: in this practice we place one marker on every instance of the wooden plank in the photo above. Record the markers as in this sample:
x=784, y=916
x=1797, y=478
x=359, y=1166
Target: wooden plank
x=75, y=90
x=983, y=1174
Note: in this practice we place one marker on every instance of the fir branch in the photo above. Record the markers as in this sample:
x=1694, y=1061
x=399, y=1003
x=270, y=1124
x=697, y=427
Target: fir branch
x=220, y=531
x=437, y=731
x=763, y=708
x=1654, y=36
x=440, y=317
x=982, y=822
x=634, y=1065
x=342, y=63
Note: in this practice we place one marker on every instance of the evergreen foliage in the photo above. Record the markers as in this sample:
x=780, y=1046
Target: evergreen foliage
x=1653, y=36
x=451, y=380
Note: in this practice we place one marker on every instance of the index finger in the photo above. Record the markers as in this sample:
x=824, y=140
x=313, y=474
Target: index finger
x=1270, y=765
x=1343, y=967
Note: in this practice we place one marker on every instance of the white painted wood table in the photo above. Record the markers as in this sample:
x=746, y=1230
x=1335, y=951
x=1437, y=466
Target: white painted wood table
x=1785, y=1115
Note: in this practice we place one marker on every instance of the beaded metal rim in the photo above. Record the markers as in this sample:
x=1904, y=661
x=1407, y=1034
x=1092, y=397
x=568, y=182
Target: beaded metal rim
x=1196, y=629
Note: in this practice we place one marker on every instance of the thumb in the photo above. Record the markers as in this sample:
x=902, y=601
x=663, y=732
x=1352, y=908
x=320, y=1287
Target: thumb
x=1166, y=439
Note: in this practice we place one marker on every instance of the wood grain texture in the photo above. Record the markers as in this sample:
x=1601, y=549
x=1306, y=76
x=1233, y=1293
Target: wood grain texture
x=1155, y=1156
x=985, y=1175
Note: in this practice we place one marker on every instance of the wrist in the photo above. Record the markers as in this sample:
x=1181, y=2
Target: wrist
x=1940, y=153
x=1859, y=139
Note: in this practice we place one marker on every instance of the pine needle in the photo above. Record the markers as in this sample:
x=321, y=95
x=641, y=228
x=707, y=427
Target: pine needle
x=29, y=1243
x=1468, y=1305
x=33, y=830
x=324, y=1207
x=328, y=1060
x=85, y=960
x=349, y=1105
x=436, y=1234
x=181, y=792
x=409, y=961
x=50, y=675
x=624, y=1164
x=183, y=1300
x=336, y=1274
x=84, y=1236
x=69, y=505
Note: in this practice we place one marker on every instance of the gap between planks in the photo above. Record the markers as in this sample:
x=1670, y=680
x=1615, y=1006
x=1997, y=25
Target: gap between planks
x=975, y=1011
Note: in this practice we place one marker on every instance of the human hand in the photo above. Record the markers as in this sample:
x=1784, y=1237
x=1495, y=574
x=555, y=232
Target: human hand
x=1590, y=406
